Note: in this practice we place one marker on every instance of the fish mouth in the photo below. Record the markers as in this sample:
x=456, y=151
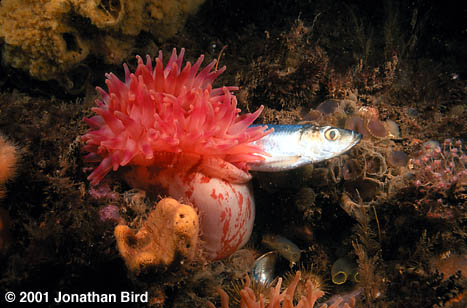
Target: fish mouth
x=356, y=138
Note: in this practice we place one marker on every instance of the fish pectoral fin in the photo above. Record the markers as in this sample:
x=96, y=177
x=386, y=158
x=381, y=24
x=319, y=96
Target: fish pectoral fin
x=277, y=163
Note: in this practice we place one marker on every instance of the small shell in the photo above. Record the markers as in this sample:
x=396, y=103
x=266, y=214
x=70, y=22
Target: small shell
x=264, y=268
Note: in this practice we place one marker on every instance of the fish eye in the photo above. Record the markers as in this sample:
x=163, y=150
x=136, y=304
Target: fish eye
x=332, y=134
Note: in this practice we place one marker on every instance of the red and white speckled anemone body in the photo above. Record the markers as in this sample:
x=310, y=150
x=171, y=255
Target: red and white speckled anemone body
x=174, y=132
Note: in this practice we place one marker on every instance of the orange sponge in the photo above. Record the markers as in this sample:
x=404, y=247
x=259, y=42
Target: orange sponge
x=170, y=234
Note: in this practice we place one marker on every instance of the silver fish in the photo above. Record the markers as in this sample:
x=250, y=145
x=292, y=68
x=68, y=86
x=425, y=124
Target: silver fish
x=293, y=146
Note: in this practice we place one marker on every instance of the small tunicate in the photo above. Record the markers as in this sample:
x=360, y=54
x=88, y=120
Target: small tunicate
x=328, y=106
x=393, y=129
x=368, y=189
x=313, y=115
x=349, y=206
x=300, y=231
x=283, y=246
x=375, y=164
x=398, y=159
x=355, y=123
x=349, y=107
x=351, y=169
x=376, y=128
x=242, y=261
x=343, y=270
x=368, y=112
x=304, y=199
x=307, y=172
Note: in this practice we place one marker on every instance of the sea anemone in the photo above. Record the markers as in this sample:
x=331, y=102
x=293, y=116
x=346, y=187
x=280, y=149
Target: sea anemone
x=275, y=298
x=308, y=273
x=168, y=110
x=173, y=131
